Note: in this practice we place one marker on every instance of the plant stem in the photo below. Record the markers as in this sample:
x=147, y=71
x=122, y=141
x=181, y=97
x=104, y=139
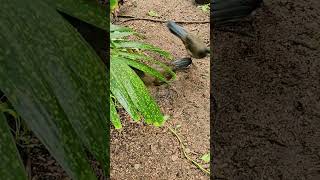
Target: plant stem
x=185, y=154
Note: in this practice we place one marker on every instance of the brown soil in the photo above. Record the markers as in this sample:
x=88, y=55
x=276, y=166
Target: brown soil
x=267, y=88
x=146, y=152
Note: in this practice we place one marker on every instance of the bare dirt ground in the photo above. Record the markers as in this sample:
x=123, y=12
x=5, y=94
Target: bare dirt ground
x=147, y=152
x=267, y=88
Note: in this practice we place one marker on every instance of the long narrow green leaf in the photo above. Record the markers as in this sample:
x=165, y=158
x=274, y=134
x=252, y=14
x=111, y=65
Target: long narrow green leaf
x=142, y=58
x=137, y=92
x=115, y=119
x=121, y=94
x=143, y=46
x=143, y=67
x=56, y=83
x=11, y=166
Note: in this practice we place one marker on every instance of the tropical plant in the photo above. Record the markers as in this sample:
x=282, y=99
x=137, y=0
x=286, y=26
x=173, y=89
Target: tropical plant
x=56, y=83
x=127, y=89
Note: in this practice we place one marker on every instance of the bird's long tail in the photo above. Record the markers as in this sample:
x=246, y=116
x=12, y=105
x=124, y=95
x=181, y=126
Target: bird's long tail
x=177, y=30
x=180, y=64
x=228, y=11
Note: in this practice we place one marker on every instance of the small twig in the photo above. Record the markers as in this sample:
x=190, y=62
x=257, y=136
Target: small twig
x=133, y=18
x=185, y=154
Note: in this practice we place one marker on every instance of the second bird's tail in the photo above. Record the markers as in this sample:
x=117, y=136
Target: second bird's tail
x=177, y=30
x=181, y=64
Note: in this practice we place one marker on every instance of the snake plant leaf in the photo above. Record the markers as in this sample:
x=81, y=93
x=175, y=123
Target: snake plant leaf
x=56, y=82
x=89, y=11
x=138, y=93
x=115, y=119
x=11, y=166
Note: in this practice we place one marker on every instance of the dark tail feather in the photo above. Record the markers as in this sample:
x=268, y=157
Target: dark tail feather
x=181, y=64
x=177, y=30
x=228, y=11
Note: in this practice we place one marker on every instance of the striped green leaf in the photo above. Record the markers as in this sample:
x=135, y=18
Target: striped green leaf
x=137, y=92
x=114, y=115
x=56, y=82
x=143, y=46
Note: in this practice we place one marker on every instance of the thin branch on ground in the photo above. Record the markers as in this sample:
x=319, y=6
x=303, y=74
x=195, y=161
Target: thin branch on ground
x=133, y=18
x=183, y=149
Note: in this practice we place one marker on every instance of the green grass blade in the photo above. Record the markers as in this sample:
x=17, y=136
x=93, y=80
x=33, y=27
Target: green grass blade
x=11, y=166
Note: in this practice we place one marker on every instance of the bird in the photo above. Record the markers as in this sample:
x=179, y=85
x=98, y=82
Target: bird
x=230, y=11
x=175, y=66
x=195, y=47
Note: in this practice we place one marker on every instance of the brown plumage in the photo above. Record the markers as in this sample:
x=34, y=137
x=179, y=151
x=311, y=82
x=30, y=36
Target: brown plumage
x=194, y=46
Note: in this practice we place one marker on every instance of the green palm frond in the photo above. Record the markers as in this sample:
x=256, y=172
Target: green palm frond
x=126, y=86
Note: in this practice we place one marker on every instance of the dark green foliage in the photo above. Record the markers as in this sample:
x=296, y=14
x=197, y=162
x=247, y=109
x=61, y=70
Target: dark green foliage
x=55, y=81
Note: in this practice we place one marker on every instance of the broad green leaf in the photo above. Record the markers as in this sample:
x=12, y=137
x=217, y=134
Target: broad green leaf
x=56, y=82
x=137, y=92
x=206, y=158
x=11, y=166
x=115, y=119
x=89, y=11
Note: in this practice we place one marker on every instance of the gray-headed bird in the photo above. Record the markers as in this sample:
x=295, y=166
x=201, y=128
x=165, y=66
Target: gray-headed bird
x=195, y=47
